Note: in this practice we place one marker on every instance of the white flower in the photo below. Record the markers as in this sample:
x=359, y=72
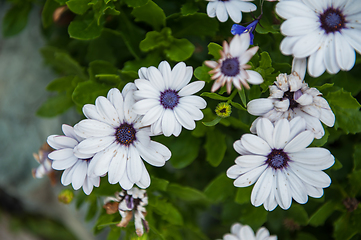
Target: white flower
x=113, y=133
x=166, y=100
x=280, y=163
x=76, y=168
x=291, y=97
x=131, y=201
x=325, y=32
x=232, y=66
x=245, y=232
x=233, y=8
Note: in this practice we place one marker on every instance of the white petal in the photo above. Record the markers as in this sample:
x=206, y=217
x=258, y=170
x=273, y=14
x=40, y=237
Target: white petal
x=93, y=128
x=150, y=155
x=143, y=106
x=312, y=110
x=297, y=125
x=298, y=190
x=255, y=144
x=168, y=122
x=156, y=78
x=191, y=88
x=234, y=12
x=300, y=142
x=247, y=233
x=152, y=115
x=195, y=113
x=221, y=12
x=165, y=70
x=321, y=158
x=254, y=77
x=245, y=6
x=90, y=111
x=104, y=158
x=297, y=26
x=67, y=175
x=316, y=62
x=61, y=154
x=308, y=44
x=194, y=100
x=327, y=117
x=283, y=194
x=246, y=56
x=211, y=9
x=234, y=171
x=107, y=111
x=314, y=178
x=250, y=177
x=305, y=99
x=282, y=106
x=290, y=9
x=265, y=130
x=184, y=118
x=299, y=66
x=134, y=165
x=345, y=54
x=330, y=55
x=260, y=106
x=353, y=37
x=65, y=163
x=239, y=45
x=270, y=204
x=250, y=161
x=117, y=166
x=94, y=144
x=79, y=174
x=69, y=132
x=262, y=188
x=116, y=98
x=237, y=145
x=287, y=44
x=281, y=133
x=125, y=183
x=178, y=74
x=144, y=181
x=143, y=73
x=129, y=113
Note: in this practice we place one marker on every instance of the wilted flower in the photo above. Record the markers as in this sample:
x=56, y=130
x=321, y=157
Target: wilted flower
x=45, y=164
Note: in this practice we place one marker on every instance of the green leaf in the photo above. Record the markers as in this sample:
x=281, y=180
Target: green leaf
x=215, y=147
x=242, y=95
x=84, y=28
x=55, y=106
x=158, y=184
x=319, y=217
x=219, y=189
x=179, y=50
x=253, y=216
x=214, y=96
x=357, y=157
x=173, y=216
x=355, y=182
x=48, y=11
x=189, y=8
x=214, y=50
x=346, y=110
x=15, y=19
x=87, y=92
x=185, y=193
x=347, y=225
x=213, y=122
x=78, y=6
x=298, y=214
x=322, y=141
x=156, y=39
x=243, y=195
x=324, y=86
x=266, y=27
x=347, y=81
x=62, y=61
x=201, y=73
x=151, y=14
x=136, y=3
x=114, y=233
x=104, y=71
x=186, y=146
x=61, y=2
x=103, y=221
x=100, y=8
x=61, y=84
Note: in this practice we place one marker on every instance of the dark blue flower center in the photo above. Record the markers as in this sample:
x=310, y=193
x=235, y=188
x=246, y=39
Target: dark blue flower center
x=290, y=96
x=277, y=159
x=169, y=99
x=230, y=67
x=332, y=20
x=125, y=134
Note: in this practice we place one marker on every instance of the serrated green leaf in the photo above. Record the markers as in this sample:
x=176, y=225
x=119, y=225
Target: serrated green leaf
x=189, y=8
x=265, y=27
x=100, y=8
x=214, y=96
x=55, y=106
x=48, y=11
x=215, y=147
x=219, y=189
x=319, y=217
x=136, y=3
x=343, y=99
x=151, y=14
x=78, y=6
x=61, y=84
x=324, y=86
x=15, y=19
x=201, y=73
x=214, y=50
x=84, y=28
x=185, y=193
x=213, y=122
x=87, y=92
x=243, y=195
x=180, y=50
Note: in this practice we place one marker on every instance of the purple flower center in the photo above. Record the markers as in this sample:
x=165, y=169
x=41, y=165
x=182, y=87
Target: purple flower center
x=169, y=99
x=277, y=159
x=332, y=20
x=125, y=134
x=230, y=67
x=291, y=97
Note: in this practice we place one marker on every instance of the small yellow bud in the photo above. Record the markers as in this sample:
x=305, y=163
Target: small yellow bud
x=66, y=196
x=223, y=110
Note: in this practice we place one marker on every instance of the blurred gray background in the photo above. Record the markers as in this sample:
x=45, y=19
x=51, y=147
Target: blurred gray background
x=23, y=78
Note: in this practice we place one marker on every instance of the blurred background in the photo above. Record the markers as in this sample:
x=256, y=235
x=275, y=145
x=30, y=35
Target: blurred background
x=29, y=208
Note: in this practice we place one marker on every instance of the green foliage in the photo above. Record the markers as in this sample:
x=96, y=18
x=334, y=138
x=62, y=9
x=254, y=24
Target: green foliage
x=151, y=14
x=15, y=19
x=215, y=147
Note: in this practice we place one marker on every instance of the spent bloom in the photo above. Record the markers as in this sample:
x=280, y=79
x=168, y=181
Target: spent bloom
x=45, y=164
x=233, y=8
x=278, y=161
x=232, y=66
x=129, y=203
x=76, y=167
x=114, y=135
x=165, y=98
x=325, y=32
x=291, y=97
x=245, y=232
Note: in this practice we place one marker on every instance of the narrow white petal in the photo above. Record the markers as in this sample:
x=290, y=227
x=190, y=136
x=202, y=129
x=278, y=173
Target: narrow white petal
x=246, y=56
x=265, y=130
x=184, y=118
x=308, y=44
x=221, y=12
x=282, y=106
x=129, y=113
x=312, y=110
x=239, y=45
x=211, y=9
x=143, y=73
x=177, y=75
x=59, y=141
x=177, y=129
x=300, y=142
x=327, y=117
x=297, y=125
x=290, y=9
x=305, y=99
x=234, y=12
x=143, y=106
x=317, y=6
x=321, y=158
x=297, y=26
x=116, y=98
x=288, y=43
x=316, y=63
x=104, y=158
x=353, y=37
x=94, y=144
x=144, y=181
x=195, y=113
x=61, y=154
x=67, y=176
x=245, y=6
x=156, y=78
x=255, y=144
x=64, y=163
x=125, y=183
x=250, y=177
x=69, y=132
x=270, y=204
x=250, y=161
x=330, y=55
x=93, y=128
x=299, y=66
x=298, y=190
x=191, y=88
x=165, y=70
x=314, y=178
x=262, y=188
x=281, y=133
x=79, y=174
x=283, y=194
x=90, y=111
x=312, y=123
x=107, y=111
x=345, y=54
x=153, y=115
x=117, y=166
x=247, y=233
x=234, y=171
x=254, y=77
x=260, y=106
x=194, y=100
x=237, y=145
x=134, y=165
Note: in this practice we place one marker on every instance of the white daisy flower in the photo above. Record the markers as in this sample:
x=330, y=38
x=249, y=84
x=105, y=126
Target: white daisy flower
x=233, y=8
x=291, y=97
x=114, y=134
x=232, y=66
x=128, y=203
x=166, y=100
x=245, y=232
x=280, y=164
x=76, y=168
x=325, y=32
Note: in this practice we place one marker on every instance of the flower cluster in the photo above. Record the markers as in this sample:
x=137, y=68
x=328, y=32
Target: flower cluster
x=129, y=203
